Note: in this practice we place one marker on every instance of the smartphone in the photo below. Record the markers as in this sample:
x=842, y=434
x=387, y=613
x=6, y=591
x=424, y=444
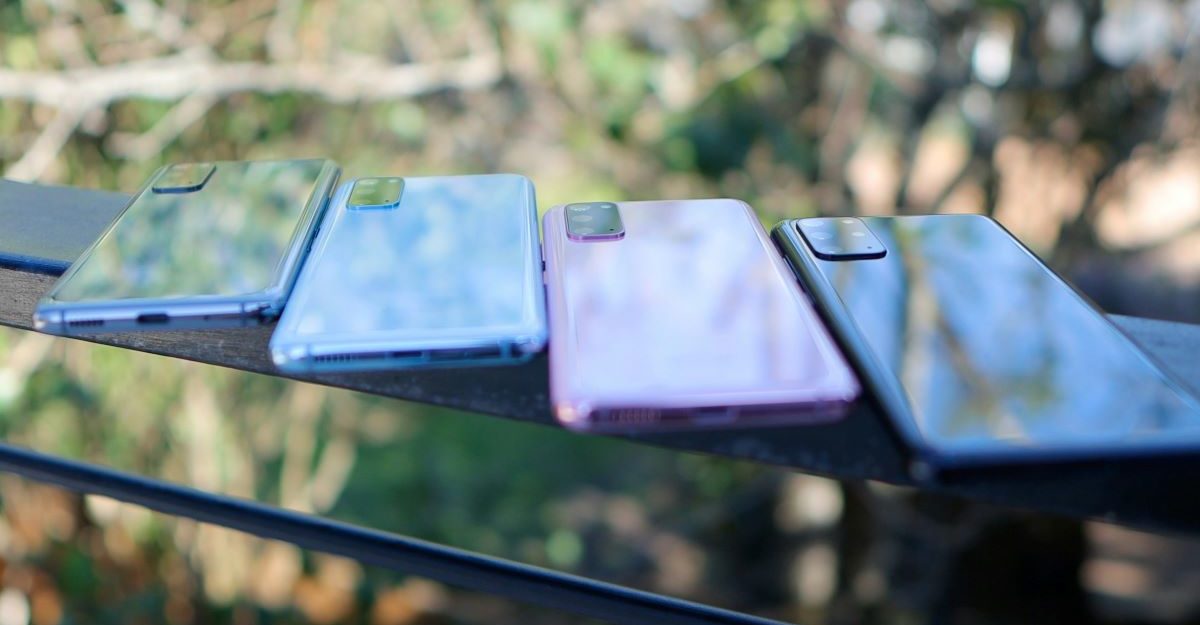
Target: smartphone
x=681, y=314
x=977, y=351
x=419, y=272
x=202, y=245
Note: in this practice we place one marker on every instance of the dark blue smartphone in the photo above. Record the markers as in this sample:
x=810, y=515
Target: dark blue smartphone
x=977, y=351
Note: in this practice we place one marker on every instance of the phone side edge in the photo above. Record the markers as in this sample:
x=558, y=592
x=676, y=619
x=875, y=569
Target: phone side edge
x=845, y=386
x=879, y=387
x=283, y=339
x=287, y=271
x=536, y=326
x=572, y=412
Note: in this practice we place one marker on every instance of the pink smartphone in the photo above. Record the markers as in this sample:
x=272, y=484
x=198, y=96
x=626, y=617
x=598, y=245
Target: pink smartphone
x=677, y=314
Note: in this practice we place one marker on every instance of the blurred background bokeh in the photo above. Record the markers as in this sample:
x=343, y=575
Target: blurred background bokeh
x=1075, y=123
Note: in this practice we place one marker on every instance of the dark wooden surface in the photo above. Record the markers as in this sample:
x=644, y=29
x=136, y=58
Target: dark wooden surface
x=1138, y=493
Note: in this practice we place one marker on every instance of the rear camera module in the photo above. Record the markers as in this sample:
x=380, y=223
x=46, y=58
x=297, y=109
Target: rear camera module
x=842, y=238
x=594, y=221
x=183, y=178
x=376, y=193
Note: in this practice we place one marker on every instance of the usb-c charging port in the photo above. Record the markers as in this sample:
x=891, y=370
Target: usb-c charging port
x=153, y=318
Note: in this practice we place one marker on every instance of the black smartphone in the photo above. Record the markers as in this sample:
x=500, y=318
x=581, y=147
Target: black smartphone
x=977, y=351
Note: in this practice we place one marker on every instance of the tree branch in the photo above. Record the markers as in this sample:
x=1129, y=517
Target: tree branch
x=141, y=146
x=45, y=148
x=176, y=77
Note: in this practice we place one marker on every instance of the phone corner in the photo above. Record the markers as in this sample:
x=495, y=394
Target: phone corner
x=327, y=184
x=49, y=321
x=981, y=217
x=530, y=343
x=574, y=416
x=550, y=219
x=508, y=180
x=268, y=303
x=514, y=177
x=922, y=470
x=329, y=166
x=327, y=177
x=289, y=358
x=781, y=226
x=842, y=383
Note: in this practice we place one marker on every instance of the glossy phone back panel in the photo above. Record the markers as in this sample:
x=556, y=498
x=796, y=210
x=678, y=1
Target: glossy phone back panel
x=450, y=275
x=980, y=352
x=230, y=249
x=691, y=314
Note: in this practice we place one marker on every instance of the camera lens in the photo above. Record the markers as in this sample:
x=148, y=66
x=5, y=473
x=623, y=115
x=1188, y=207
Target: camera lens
x=821, y=236
x=581, y=219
